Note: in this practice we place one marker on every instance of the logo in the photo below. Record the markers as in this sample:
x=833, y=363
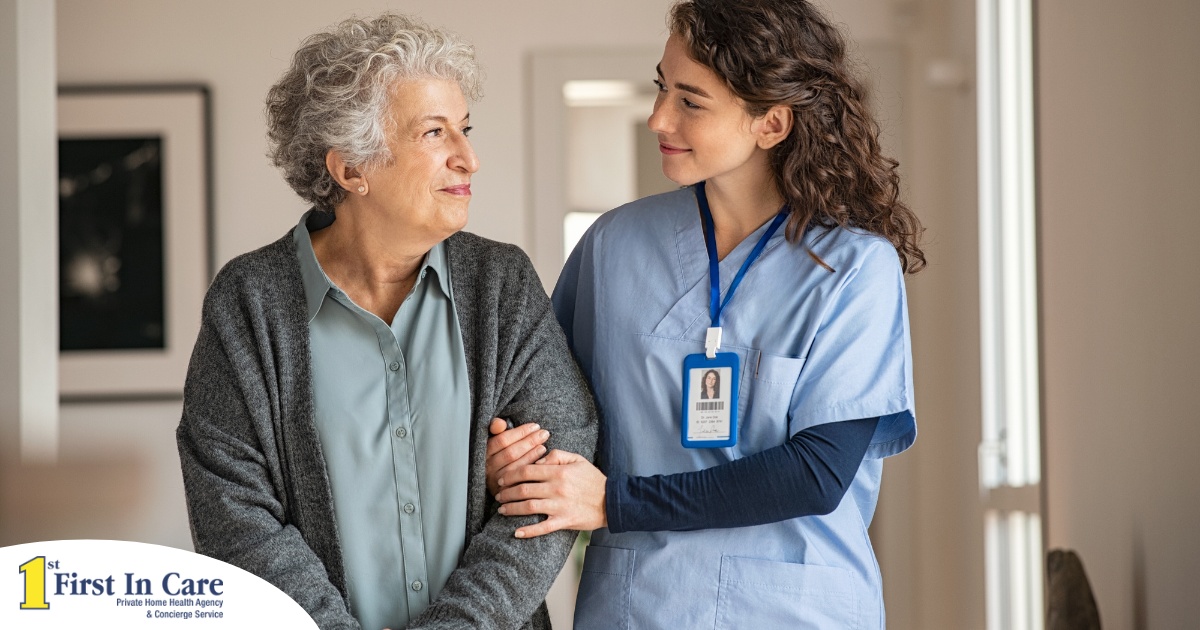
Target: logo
x=103, y=583
x=35, y=584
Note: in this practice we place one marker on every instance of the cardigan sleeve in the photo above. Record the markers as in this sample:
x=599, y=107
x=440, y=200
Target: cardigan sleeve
x=233, y=477
x=502, y=581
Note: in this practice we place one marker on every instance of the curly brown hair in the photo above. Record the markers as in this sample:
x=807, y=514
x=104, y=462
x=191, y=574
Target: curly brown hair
x=829, y=169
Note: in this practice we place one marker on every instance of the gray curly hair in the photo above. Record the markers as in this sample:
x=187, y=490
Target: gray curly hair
x=336, y=93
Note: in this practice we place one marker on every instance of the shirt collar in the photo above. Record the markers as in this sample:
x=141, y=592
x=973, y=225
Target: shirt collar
x=317, y=284
x=437, y=262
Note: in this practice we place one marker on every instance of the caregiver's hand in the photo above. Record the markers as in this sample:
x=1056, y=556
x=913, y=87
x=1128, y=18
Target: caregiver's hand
x=512, y=448
x=564, y=486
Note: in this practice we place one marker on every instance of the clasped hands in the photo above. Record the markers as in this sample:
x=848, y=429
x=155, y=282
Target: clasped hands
x=525, y=479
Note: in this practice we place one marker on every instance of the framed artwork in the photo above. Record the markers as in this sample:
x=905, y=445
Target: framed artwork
x=135, y=219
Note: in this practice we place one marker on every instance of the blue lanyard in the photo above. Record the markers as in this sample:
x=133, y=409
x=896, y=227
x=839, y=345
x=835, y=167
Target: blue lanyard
x=715, y=305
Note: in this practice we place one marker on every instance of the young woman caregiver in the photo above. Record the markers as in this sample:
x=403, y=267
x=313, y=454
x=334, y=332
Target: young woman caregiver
x=780, y=267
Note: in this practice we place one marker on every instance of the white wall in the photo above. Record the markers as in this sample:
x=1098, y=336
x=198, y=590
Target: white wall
x=117, y=477
x=929, y=529
x=1120, y=211
x=600, y=156
x=28, y=339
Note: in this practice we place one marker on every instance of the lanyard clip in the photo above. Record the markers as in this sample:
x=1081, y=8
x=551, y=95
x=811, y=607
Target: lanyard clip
x=712, y=342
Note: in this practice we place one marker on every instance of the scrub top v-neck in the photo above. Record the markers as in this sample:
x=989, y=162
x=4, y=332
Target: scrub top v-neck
x=816, y=346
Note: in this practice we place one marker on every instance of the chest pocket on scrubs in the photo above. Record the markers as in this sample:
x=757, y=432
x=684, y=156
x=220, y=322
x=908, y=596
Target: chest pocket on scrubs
x=766, y=398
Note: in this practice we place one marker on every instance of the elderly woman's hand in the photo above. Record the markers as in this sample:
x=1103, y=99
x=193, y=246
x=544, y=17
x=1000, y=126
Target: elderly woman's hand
x=564, y=486
x=509, y=449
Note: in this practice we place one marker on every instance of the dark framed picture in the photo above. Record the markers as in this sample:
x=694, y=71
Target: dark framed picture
x=135, y=219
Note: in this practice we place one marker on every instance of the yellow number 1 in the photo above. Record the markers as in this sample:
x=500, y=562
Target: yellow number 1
x=35, y=584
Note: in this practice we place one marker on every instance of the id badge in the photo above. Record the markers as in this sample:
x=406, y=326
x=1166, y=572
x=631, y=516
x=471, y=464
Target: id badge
x=710, y=395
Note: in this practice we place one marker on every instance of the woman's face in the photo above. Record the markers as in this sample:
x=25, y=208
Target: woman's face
x=427, y=187
x=703, y=129
x=710, y=380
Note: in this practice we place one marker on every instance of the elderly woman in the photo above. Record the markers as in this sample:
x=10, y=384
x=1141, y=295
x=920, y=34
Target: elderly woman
x=336, y=408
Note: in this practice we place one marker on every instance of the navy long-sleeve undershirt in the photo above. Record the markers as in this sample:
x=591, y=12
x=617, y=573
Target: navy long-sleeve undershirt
x=809, y=474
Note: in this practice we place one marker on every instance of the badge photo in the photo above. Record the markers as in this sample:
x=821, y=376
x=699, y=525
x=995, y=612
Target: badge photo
x=710, y=395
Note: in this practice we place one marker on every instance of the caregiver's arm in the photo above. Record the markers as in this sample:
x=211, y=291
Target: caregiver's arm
x=809, y=474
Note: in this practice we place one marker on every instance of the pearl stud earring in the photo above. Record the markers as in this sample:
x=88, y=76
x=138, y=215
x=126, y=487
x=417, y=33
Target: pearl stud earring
x=362, y=189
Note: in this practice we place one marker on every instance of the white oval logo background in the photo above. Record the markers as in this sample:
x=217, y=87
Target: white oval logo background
x=117, y=584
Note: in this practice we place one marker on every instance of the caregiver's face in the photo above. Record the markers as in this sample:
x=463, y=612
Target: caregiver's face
x=704, y=131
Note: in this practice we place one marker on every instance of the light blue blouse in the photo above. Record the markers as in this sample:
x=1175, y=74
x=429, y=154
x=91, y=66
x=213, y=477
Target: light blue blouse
x=393, y=415
x=815, y=346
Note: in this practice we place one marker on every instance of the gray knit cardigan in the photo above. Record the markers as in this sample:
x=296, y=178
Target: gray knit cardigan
x=258, y=494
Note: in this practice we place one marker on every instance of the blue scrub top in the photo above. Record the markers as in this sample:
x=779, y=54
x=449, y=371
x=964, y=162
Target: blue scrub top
x=815, y=346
